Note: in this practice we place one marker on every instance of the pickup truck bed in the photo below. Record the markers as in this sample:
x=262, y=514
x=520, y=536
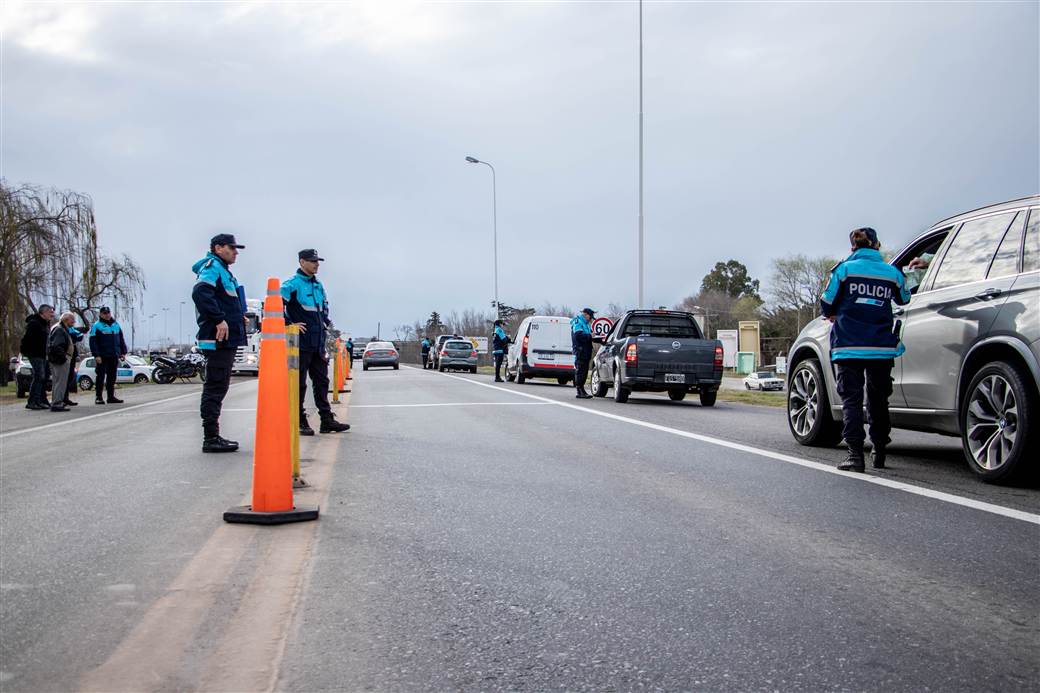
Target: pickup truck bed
x=658, y=351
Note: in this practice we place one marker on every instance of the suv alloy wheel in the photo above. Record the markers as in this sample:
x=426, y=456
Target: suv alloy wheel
x=997, y=422
x=808, y=409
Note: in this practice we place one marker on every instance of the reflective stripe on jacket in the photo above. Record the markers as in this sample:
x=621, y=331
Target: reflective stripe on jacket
x=859, y=296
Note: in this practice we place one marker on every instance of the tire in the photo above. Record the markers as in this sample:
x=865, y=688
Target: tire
x=563, y=381
x=442, y=369
x=747, y=387
x=708, y=398
x=998, y=421
x=599, y=388
x=397, y=367
x=202, y=374
x=678, y=395
x=85, y=382
x=808, y=407
x=163, y=377
x=520, y=377
x=621, y=393
x=364, y=367
x=140, y=379
x=473, y=370
x=511, y=377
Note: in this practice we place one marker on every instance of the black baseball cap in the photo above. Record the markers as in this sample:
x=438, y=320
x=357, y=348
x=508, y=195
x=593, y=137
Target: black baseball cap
x=310, y=254
x=589, y=311
x=105, y=309
x=224, y=239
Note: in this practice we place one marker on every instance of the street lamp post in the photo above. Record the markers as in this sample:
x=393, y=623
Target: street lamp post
x=165, y=326
x=494, y=224
x=180, y=324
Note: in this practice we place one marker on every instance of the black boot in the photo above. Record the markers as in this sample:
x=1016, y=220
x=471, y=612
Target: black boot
x=877, y=457
x=853, y=461
x=330, y=425
x=212, y=442
x=98, y=400
x=582, y=394
x=305, y=428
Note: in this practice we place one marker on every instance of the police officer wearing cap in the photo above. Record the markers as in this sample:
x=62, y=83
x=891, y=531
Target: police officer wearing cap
x=581, y=346
x=307, y=306
x=858, y=302
x=220, y=316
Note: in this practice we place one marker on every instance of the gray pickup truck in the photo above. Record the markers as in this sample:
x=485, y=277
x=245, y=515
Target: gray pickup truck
x=657, y=351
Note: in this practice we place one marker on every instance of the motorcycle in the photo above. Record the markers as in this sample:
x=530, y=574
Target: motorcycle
x=168, y=369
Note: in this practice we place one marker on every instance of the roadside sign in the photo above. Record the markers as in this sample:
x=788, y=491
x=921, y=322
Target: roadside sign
x=479, y=343
x=601, y=327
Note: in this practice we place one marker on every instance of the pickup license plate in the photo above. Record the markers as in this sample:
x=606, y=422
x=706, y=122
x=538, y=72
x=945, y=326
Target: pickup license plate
x=674, y=378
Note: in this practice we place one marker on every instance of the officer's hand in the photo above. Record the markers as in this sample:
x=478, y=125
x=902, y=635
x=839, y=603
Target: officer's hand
x=222, y=330
x=97, y=359
x=302, y=326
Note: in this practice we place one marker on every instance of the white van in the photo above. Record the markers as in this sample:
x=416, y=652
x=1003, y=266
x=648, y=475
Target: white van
x=541, y=348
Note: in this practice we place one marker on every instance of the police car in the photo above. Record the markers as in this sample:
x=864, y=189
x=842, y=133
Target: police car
x=132, y=369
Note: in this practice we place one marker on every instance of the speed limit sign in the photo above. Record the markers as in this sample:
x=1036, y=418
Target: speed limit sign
x=601, y=327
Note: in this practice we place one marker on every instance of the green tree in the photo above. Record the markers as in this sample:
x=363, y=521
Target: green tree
x=434, y=326
x=730, y=278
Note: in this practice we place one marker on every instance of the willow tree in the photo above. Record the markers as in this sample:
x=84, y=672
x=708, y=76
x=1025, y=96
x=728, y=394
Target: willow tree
x=49, y=254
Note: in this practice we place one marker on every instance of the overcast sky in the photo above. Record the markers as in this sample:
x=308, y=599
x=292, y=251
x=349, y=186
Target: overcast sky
x=771, y=128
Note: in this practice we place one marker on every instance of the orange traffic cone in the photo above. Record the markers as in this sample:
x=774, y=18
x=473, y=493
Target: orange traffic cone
x=272, y=454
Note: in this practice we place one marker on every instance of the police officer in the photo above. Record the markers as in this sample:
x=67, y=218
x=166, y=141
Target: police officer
x=306, y=305
x=108, y=347
x=500, y=342
x=349, y=346
x=222, y=330
x=858, y=301
x=581, y=346
x=424, y=348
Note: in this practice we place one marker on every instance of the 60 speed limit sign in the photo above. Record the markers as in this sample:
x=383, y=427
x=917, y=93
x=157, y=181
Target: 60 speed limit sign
x=601, y=327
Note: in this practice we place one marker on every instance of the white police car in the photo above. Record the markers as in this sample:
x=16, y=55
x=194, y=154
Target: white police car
x=131, y=369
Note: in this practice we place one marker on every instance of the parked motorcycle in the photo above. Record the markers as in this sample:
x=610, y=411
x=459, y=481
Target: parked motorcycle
x=168, y=369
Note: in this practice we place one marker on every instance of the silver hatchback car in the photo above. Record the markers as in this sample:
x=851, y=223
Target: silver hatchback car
x=972, y=337
x=457, y=354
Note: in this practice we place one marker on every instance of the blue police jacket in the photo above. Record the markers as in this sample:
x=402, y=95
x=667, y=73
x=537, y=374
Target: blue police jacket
x=859, y=295
x=426, y=346
x=106, y=339
x=581, y=337
x=305, y=302
x=216, y=299
x=501, y=341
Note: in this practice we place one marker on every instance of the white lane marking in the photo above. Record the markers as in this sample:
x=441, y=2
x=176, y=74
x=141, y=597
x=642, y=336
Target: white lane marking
x=1022, y=515
x=450, y=404
x=112, y=412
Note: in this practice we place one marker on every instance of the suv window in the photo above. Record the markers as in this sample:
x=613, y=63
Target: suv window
x=1005, y=262
x=969, y=255
x=1031, y=258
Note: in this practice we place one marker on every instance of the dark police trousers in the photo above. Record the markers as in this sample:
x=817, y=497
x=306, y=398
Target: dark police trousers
x=498, y=365
x=581, y=371
x=218, y=380
x=106, y=375
x=876, y=374
x=311, y=362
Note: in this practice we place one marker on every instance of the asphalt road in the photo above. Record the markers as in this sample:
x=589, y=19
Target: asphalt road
x=475, y=537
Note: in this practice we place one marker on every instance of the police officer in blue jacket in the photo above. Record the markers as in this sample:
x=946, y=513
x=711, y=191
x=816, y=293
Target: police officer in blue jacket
x=500, y=343
x=222, y=329
x=581, y=346
x=858, y=302
x=107, y=347
x=307, y=306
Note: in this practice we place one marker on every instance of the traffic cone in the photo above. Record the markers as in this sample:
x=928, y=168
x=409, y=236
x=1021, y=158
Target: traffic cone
x=346, y=368
x=341, y=385
x=272, y=453
x=336, y=370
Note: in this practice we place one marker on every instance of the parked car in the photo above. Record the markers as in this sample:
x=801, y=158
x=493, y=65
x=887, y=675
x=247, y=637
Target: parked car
x=438, y=344
x=458, y=354
x=131, y=369
x=763, y=380
x=380, y=354
x=359, y=351
x=23, y=378
x=657, y=351
x=541, y=349
x=972, y=337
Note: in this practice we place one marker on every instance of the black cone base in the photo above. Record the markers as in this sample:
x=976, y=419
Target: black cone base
x=245, y=514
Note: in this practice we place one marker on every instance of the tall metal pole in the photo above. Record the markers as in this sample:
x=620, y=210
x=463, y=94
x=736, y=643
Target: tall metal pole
x=180, y=324
x=165, y=329
x=494, y=232
x=640, y=303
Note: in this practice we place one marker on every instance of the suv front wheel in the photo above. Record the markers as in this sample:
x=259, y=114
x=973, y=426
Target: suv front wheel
x=998, y=422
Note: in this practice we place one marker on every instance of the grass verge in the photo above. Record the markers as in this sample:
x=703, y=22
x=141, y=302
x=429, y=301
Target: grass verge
x=768, y=399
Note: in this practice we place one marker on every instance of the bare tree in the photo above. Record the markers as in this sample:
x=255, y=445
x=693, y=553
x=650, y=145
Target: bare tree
x=796, y=283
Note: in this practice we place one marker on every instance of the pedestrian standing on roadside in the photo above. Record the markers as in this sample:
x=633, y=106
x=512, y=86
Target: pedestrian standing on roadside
x=306, y=306
x=500, y=342
x=70, y=388
x=858, y=302
x=60, y=349
x=108, y=347
x=349, y=346
x=222, y=329
x=34, y=348
x=581, y=346
x=424, y=349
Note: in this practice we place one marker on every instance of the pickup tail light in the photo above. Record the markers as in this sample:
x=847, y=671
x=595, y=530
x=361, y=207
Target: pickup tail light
x=523, y=346
x=473, y=353
x=718, y=356
x=631, y=357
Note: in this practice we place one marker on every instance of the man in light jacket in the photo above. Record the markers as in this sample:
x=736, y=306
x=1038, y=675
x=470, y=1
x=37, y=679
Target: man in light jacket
x=60, y=350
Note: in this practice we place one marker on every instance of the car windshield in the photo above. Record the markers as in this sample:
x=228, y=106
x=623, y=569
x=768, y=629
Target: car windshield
x=763, y=374
x=135, y=360
x=380, y=345
x=662, y=326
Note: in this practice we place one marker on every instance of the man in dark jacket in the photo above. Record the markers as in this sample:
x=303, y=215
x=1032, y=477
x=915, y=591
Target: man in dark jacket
x=581, y=346
x=858, y=301
x=108, y=347
x=34, y=348
x=500, y=342
x=424, y=349
x=306, y=305
x=222, y=329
